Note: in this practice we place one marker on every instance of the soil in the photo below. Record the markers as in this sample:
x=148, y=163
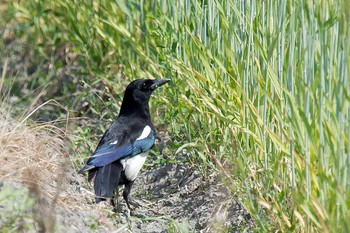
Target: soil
x=166, y=198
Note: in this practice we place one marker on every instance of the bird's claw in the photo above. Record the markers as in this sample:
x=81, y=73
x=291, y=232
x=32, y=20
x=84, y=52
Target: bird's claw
x=136, y=202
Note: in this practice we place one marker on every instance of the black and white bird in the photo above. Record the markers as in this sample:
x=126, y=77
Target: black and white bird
x=123, y=148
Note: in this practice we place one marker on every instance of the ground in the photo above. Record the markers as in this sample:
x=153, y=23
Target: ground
x=167, y=197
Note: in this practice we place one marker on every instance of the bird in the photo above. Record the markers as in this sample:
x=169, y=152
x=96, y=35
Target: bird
x=123, y=148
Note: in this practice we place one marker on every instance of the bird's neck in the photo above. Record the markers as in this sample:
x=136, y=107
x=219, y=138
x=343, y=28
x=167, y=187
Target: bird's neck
x=132, y=107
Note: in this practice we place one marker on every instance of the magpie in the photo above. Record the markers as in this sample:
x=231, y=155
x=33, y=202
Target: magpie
x=123, y=148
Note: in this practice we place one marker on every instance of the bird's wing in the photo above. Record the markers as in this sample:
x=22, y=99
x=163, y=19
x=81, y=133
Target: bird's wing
x=122, y=146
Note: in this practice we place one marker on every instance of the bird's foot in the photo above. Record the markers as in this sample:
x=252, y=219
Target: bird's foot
x=136, y=202
x=133, y=204
x=116, y=206
x=103, y=206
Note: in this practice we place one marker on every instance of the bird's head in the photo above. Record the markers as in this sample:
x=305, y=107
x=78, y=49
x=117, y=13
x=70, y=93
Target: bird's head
x=139, y=91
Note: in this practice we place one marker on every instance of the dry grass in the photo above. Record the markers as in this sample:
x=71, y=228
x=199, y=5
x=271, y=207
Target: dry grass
x=35, y=156
x=32, y=155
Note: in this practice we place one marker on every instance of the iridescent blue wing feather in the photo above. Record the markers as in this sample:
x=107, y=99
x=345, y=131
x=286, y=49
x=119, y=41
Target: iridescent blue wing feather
x=109, y=153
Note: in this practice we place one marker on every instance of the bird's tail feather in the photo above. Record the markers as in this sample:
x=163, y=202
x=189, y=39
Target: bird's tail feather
x=106, y=180
x=92, y=174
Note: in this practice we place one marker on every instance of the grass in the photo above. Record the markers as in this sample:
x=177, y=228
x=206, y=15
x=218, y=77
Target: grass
x=36, y=193
x=32, y=157
x=260, y=90
x=16, y=205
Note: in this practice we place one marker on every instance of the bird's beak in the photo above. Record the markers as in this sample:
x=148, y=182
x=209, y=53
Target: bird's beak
x=159, y=82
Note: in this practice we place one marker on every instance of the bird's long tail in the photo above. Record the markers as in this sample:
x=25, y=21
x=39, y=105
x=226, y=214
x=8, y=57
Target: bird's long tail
x=106, y=181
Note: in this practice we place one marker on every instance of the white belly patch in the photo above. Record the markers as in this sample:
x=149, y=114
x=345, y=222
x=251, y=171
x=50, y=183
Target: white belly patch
x=133, y=165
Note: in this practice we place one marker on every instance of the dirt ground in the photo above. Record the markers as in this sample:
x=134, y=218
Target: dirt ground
x=166, y=198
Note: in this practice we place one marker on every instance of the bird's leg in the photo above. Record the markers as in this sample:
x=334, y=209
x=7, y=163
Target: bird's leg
x=115, y=201
x=126, y=193
x=160, y=144
x=117, y=195
x=112, y=202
